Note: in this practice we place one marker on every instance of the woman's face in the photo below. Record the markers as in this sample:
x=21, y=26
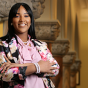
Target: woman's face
x=22, y=21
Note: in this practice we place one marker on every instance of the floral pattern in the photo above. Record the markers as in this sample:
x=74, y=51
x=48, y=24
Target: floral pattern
x=7, y=76
x=12, y=73
x=48, y=83
x=2, y=60
x=18, y=72
x=46, y=55
x=18, y=86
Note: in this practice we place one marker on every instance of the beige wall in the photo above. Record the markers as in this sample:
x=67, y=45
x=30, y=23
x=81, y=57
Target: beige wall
x=83, y=52
x=1, y=29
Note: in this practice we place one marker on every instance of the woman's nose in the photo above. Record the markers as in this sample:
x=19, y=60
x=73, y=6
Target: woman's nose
x=22, y=18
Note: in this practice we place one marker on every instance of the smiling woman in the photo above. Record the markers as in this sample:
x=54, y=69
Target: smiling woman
x=21, y=64
x=22, y=21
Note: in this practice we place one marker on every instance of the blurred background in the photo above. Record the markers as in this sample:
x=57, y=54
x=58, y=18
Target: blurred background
x=63, y=24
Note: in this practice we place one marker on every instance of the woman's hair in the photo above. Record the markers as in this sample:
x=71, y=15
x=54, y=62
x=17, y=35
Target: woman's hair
x=12, y=13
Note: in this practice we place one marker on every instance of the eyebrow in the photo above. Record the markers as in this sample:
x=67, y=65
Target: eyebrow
x=19, y=13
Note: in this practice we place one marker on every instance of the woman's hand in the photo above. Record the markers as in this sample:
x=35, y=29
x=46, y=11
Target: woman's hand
x=46, y=66
x=7, y=65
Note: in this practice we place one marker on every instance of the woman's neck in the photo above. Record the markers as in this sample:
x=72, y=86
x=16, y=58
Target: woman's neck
x=23, y=37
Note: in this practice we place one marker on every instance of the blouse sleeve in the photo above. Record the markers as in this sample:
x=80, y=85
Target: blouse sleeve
x=13, y=73
x=46, y=55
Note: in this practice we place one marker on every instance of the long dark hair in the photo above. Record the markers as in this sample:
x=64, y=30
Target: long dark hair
x=12, y=13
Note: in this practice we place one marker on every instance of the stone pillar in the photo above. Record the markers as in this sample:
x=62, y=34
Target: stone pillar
x=67, y=62
x=59, y=50
x=74, y=69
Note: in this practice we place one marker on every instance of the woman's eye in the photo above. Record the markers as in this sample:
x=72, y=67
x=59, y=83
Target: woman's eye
x=26, y=16
x=16, y=16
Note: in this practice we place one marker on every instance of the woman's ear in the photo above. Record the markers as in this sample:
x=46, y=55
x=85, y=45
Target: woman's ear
x=11, y=23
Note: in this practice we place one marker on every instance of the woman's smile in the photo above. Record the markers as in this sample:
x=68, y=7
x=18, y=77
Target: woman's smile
x=22, y=25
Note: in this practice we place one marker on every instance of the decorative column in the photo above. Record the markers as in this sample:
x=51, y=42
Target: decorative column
x=67, y=62
x=59, y=50
x=74, y=69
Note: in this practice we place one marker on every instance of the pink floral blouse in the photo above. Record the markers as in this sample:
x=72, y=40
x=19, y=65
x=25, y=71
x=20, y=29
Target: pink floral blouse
x=29, y=54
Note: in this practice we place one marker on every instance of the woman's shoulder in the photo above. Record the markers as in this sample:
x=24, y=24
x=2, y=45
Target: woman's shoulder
x=38, y=42
x=3, y=38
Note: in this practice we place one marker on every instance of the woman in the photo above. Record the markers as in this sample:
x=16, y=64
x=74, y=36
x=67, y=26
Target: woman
x=21, y=64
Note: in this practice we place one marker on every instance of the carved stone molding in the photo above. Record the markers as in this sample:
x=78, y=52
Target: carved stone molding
x=47, y=30
x=36, y=6
x=60, y=47
x=76, y=65
x=69, y=58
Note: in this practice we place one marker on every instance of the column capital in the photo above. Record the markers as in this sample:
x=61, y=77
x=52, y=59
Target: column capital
x=68, y=59
x=38, y=8
x=76, y=65
x=60, y=47
x=47, y=30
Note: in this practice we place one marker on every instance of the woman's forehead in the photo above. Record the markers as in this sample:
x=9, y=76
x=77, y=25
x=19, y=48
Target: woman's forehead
x=21, y=9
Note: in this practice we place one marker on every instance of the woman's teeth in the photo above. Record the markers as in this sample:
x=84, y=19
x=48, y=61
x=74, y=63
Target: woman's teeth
x=22, y=24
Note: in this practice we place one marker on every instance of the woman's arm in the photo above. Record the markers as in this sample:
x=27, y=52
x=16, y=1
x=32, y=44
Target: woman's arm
x=12, y=70
x=45, y=66
x=46, y=55
x=13, y=73
x=18, y=71
x=8, y=65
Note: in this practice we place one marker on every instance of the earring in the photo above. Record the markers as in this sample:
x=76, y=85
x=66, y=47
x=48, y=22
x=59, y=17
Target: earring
x=11, y=23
